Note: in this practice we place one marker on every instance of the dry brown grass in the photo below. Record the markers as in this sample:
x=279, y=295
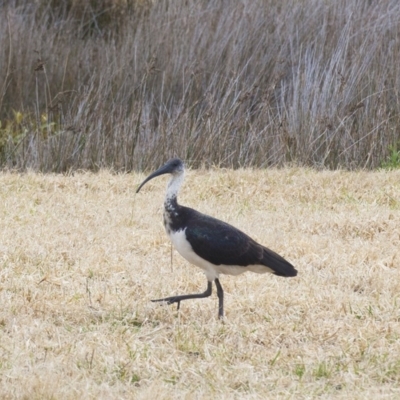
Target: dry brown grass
x=81, y=257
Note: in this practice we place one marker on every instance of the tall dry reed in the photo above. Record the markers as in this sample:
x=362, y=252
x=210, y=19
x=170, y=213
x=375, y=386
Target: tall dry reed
x=126, y=85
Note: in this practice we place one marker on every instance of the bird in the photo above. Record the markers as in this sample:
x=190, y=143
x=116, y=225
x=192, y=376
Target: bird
x=209, y=243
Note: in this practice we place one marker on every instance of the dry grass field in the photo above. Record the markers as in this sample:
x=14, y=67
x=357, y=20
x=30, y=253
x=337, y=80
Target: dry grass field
x=82, y=256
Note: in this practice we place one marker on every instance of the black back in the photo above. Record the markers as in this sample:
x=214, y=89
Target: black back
x=222, y=244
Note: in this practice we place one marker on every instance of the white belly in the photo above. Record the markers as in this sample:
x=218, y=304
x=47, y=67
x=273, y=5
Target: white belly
x=212, y=271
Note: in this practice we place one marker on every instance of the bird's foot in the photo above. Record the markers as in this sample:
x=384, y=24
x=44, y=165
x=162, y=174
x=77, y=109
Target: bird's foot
x=168, y=300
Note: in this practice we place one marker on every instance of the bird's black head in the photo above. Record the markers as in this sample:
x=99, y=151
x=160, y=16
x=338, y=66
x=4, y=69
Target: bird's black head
x=173, y=166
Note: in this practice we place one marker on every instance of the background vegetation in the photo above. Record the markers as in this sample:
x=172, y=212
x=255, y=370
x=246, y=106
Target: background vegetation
x=127, y=84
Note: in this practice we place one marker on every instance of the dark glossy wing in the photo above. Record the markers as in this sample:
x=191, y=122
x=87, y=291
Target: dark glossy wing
x=221, y=243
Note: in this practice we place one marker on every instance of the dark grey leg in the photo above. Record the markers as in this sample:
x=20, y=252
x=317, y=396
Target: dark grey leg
x=220, y=294
x=178, y=299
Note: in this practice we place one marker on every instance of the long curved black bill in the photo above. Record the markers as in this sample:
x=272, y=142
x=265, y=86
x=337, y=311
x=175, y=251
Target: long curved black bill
x=165, y=169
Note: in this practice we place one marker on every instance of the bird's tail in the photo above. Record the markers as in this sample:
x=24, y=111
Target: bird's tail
x=278, y=264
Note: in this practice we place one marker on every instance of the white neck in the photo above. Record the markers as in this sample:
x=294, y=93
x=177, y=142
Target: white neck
x=174, y=186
